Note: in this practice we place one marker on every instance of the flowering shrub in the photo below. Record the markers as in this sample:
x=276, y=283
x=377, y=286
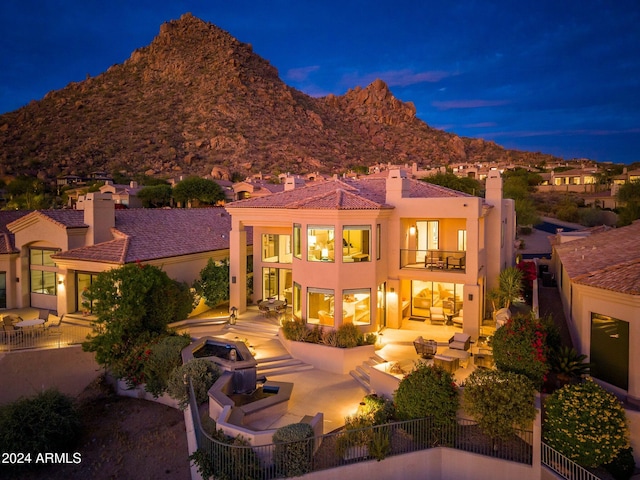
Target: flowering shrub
x=528, y=270
x=585, y=423
x=130, y=365
x=519, y=346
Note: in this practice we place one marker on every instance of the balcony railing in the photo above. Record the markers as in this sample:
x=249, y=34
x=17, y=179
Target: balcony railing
x=39, y=337
x=449, y=260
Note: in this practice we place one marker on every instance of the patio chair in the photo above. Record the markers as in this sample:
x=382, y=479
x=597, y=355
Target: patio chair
x=43, y=314
x=460, y=341
x=54, y=325
x=425, y=348
x=437, y=315
x=12, y=334
x=458, y=319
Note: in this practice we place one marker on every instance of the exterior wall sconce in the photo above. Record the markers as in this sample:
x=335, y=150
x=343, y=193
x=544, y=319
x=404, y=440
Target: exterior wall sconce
x=470, y=297
x=412, y=230
x=391, y=290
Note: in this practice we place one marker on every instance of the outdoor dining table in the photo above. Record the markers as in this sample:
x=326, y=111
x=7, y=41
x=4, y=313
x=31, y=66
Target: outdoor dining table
x=271, y=304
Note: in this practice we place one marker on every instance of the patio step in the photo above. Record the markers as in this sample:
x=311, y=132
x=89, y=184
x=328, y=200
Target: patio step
x=362, y=372
x=254, y=328
x=281, y=365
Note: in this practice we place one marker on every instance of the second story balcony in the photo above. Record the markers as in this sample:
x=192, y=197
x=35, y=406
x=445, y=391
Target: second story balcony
x=450, y=260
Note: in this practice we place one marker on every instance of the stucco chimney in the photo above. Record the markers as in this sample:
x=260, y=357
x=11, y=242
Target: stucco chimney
x=398, y=186
x=99, y=214
x=133, y=184
x=293, y=182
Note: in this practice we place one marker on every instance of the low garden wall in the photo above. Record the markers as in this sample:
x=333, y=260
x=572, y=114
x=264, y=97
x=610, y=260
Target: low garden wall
x=329, y=359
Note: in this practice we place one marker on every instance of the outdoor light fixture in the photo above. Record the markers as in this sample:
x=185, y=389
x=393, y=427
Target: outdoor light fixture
x=412, y=230
x=470, y=297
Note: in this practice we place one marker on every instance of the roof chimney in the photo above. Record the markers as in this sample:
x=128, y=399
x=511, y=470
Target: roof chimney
x=99, y=214
x=293, y=182
x=398, y=186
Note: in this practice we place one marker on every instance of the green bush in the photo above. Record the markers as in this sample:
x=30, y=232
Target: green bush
x=357, y=433
x=585, y=423
x=499, y=401
x=379, y=409
x=202, y=373
x=349, y=336
x=427, y=391
x=129, y=365
x=164, y=357
x=623, y=466
x=370, y=338
x=295, y=330
x=519, y=346
x=47, y=422
x=293, y=449
x=223, y=460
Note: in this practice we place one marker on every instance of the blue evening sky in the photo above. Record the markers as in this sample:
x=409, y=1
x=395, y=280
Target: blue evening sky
x=559, y=77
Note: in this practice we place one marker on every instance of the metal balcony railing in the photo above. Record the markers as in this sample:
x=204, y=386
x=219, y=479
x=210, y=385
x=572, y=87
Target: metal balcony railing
x=449, y=260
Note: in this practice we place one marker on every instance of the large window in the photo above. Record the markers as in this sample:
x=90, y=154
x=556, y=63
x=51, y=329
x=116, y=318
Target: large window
x=428, y=239
x=435, y=294
x=356, y=243
x=356, y=306
x=462, y=240
x=297, y=300
x=42, y=271
x=276, y=282
x=297, y=240
x=320, y=243
x=320, y=307
x=276, y=248
x=3, y=290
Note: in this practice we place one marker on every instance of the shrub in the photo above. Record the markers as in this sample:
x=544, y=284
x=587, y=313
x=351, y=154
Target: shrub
x=568, y=364
x=330, y=338
x=499, y=401
x=585, y=423
x=623, y=466
x=370, y=338
x=293, y=449
x=427, y=391
x=47, y=422
x=295, y=330
x=223, y=460
x=519, y=346
x=129, y=365
x=357, y=433
x=349, y=336
x=202, y=373
x=379, y=409
x=164, y=357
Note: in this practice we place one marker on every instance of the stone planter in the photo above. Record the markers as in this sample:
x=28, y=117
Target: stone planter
x=329, y=359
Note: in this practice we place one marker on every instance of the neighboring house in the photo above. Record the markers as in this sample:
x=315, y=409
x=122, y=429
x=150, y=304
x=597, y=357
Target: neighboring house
x=599, y=282
x=374, y=250
x=126, y=195
x=252, y=188
x=49, y=256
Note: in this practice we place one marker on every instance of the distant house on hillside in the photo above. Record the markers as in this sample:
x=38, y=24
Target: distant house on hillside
x=47, y=257
x=126, y=195
x=374, y=251
x=599, y=281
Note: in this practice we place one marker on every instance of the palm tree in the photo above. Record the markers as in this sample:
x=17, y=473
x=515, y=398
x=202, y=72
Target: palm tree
x=510, y=285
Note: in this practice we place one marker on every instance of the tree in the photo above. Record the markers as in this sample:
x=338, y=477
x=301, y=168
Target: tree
x=509, y=288
x=629, y=194
x=155, y=196
x=133, y=304
x=499, y=401
x=213, y=284
x=199, y=190
x=450, y=180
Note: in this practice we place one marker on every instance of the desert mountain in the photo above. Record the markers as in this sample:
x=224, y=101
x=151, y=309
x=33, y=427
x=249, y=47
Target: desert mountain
x=196, y=99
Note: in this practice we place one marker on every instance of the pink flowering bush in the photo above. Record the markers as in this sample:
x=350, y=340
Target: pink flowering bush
x=519, y=346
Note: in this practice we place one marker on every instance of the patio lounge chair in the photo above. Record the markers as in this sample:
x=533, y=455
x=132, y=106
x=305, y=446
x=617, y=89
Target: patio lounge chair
x=425, y=348
x=437, y=315
x=460, y=341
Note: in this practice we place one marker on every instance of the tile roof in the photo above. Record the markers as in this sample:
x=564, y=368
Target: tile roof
x=355, y=194
x=6, y=237
x=152, y=234
x=609, y=260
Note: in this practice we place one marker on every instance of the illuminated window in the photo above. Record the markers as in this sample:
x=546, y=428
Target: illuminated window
x=297, y=300
x=320, y=307
x=320, y=243
x=356, y=306
x=42, y=274
x=462, y=240
x=356, y=243
x=297, y=240
x=276, y=248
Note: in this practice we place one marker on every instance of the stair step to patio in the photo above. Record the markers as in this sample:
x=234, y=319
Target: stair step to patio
x=254, y=329
x=364, y=382
x=361, y=372
x=281, y=366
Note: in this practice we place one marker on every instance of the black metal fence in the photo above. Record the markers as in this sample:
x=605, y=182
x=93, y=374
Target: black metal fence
x=234, y=459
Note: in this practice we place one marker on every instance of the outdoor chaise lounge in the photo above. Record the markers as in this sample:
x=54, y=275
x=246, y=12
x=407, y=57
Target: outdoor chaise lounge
x=425, y=348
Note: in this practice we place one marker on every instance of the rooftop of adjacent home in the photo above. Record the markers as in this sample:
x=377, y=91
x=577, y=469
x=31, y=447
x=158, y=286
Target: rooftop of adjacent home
x=609, y=260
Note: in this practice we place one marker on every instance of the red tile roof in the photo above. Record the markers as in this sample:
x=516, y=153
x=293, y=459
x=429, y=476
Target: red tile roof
x=356, y=194
x=609, y=260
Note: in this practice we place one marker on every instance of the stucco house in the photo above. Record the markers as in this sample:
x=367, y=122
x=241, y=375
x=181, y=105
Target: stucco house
x=599, y=281
x=47, y=257
x=374, y=251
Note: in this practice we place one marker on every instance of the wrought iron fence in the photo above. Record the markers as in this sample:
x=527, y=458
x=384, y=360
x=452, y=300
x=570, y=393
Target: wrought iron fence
x=563, y=466
x=40, y=337
x=234, y=459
